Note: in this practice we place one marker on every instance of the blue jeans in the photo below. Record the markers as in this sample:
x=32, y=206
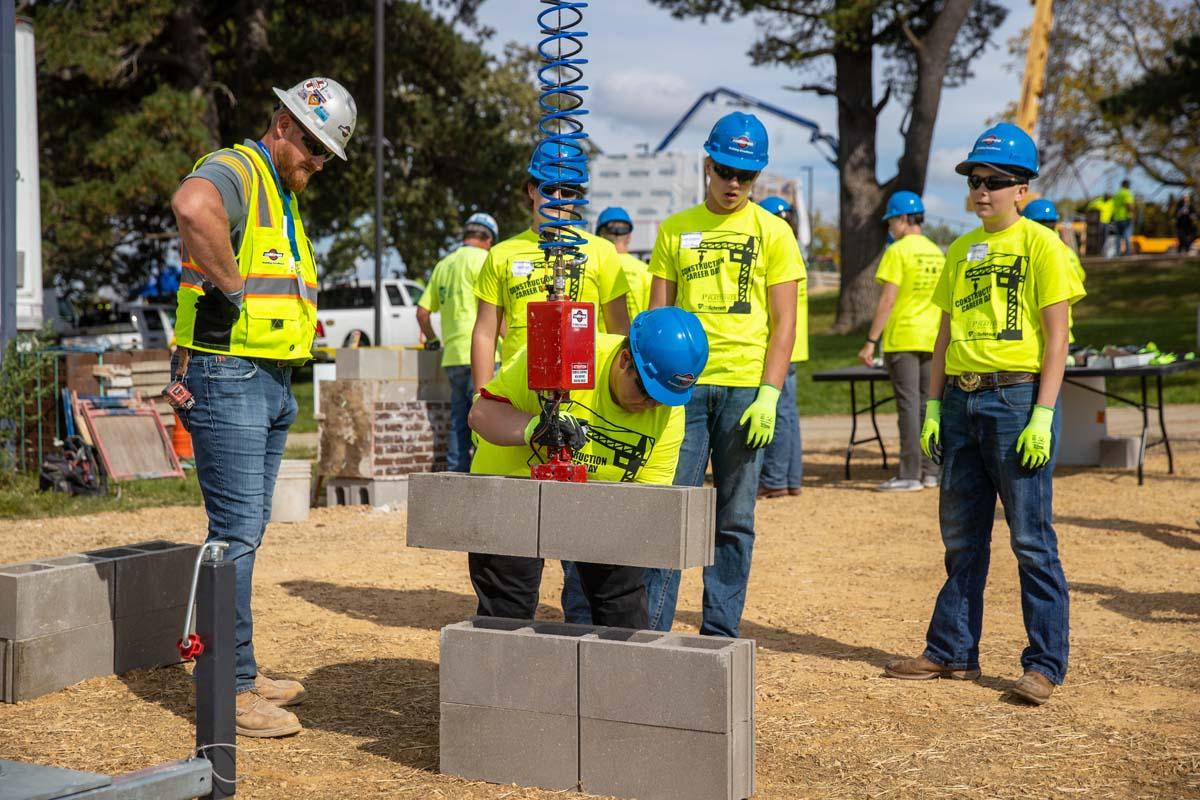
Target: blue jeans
x=979, y=438
x=783, y=465
x=575, y=605
x=458, y=451
x=239, y=425
x=712, y=429
x=1123, y=230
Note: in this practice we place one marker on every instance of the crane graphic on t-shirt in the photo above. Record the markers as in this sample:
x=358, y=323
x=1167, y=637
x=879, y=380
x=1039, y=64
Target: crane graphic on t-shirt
x=542, y=274
x=627, y=457
x=1009, y=272
x=741, y=249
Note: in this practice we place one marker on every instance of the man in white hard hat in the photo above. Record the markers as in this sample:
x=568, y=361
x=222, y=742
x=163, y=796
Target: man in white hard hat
x=247, y=305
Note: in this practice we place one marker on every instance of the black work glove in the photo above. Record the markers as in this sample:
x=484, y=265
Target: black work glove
x=216, y=315
x=433, y=344
x=565, y=431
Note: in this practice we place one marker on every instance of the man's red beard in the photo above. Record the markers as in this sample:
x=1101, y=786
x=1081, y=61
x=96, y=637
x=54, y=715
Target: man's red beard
x=293, y=172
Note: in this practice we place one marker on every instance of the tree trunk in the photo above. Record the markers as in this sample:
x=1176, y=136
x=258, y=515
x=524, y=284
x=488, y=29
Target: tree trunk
x=861, y=198
x=188, y=38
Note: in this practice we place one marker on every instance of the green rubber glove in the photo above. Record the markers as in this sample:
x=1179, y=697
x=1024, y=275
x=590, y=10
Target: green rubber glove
x=931, y=431
x=1034, y=442
x=759, y=418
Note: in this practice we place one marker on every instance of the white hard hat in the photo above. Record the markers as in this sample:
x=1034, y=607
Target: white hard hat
x=325, y=109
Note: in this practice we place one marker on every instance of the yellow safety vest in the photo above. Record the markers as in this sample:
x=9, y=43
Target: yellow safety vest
x=278, y=319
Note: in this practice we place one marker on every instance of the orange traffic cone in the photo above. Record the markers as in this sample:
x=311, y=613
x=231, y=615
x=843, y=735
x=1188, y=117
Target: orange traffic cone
x=181, y=440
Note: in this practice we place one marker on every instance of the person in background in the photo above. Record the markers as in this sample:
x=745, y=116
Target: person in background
x=451, y=291
x=1185, y=222
x=783, y=461
x=1103, y=206
x=1124, y=209
x=906, y=324
x=615, y=224
x=1045, y=213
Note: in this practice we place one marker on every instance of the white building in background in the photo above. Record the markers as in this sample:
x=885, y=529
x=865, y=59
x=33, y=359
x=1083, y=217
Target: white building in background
x=653, y=186
x=29, y=202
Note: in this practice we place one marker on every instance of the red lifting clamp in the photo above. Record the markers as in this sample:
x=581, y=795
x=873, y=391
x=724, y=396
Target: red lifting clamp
x=190, y=645
x=190, y=648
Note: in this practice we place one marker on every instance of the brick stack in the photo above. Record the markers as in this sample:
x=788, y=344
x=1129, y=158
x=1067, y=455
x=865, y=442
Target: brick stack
x=385, y=416
x=80, y=616
x=636, y=714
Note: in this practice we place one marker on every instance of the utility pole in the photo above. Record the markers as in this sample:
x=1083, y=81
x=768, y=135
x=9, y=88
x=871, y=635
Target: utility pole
x=378, y=340
x=8, y=174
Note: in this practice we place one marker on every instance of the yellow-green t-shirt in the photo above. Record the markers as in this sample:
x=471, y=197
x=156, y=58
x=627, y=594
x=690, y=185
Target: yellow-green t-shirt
x=1122, y=203
x=637, y=275
x=1105, y=207
x=722, y=265
x=451, y=291
x=800, y=348
x=1076, y=268
x=516, y=272
x=641, y=447
x=912, y=263
x=994, y=286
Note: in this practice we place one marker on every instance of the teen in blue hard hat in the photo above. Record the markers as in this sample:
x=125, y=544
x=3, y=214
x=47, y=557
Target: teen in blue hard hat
x=906, y=325
x=783, y=459
x=1045, y=212
x=997, y=369
x=615, y=224
x=735, y=266
x=628, y=428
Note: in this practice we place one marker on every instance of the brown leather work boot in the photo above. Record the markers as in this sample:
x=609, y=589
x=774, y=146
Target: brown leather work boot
x=922, y=669
x=256, y=716
x=280, y=692
x=1034, y=687
x=770, y=494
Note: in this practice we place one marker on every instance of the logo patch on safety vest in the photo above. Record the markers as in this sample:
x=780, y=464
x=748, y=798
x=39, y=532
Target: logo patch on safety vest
x=272, y=255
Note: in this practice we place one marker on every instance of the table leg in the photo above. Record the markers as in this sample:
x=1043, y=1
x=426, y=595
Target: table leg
x=1145, y=426
x=853, y=427
x=875, y=427
x=1162, y=427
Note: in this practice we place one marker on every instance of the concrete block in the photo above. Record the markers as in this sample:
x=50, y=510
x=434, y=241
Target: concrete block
x=147, y=640
x=631, y=524
x=49, y=663
x=514, y=664
x=650, y=763
x=57, y=594
x=701, y=683
x=354, y=492
x=5, y=671
x=423, y=366
x=1120, y=452
x=150, y=576
x=474, y=513
x=368, y=363
x=506, y=746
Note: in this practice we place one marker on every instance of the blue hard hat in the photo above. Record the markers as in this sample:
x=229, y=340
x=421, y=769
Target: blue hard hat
x=485, y=221
x=738, y=141
x=571, y=167
x=1041, y=210
x=775, y=205
x=904, y=202
x=670, y=349
x=1006, y=148
x=613, y=214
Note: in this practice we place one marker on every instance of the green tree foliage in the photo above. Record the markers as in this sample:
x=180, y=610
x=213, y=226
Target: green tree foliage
x=922, y=46
x=132, y=92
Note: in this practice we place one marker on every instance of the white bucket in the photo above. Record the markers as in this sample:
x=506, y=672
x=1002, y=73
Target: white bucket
x=293, y=487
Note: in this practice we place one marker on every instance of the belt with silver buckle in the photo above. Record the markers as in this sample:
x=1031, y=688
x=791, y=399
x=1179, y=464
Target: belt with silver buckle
x=975, y=381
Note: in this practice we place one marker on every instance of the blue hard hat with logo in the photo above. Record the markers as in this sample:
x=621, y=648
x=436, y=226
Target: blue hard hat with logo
x=670, y=349
x=738, y=141
x=485, y=221
x=776, y=205
x=613, y=214
x=1004, y=147
x=903, y=202
x=1041, y=210
x=558, y=163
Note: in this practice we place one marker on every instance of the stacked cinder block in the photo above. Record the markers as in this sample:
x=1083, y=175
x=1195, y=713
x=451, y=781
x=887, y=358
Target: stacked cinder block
x=385, y=416
x=636, y=714
x=646, y=526
x=80, y=616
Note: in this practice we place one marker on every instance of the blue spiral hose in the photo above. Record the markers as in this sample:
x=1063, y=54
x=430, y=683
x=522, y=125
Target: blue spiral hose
x=561, y=127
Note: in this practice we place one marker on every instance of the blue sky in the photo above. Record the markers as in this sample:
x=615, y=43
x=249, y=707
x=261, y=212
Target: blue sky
x=647, y=68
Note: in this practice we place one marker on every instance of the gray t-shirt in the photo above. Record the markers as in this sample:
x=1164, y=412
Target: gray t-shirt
x=219, y=169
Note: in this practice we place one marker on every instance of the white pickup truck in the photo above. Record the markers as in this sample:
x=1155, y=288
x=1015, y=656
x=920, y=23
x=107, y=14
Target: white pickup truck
x=342, y=310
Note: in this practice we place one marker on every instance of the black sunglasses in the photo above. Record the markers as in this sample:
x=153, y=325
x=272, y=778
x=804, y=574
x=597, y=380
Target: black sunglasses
x=993, y=182
x=617, y=228
x=315, y=147
x=725, y=173
x=570, y=192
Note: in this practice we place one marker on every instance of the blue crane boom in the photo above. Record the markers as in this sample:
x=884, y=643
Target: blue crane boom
x=824, y=142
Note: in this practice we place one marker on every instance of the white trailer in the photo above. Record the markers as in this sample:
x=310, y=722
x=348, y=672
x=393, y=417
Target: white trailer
x=29, y=203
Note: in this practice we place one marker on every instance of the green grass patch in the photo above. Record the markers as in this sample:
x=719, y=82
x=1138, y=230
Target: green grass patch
x=302, y=388
x=20, y=498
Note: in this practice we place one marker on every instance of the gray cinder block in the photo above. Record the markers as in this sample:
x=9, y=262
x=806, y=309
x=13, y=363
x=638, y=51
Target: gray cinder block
x=650, y=763
x=514, y=664
x=356, y=492
x=57, y=594
x=152, y=576
x=148, y=640
x=508, y=746
x=5, y=671
x=625, y=523
x=423, y=366
x=49, y=663
x=367, y=363
x=702, y=683
x=474, y=513
x=1119, y=452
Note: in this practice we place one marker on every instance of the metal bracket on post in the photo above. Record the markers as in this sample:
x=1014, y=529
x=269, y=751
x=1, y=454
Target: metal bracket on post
x=215, y=674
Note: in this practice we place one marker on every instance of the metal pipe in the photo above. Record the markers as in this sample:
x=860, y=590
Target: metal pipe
x=378, y=340
x=216, y=699
x=8, y=175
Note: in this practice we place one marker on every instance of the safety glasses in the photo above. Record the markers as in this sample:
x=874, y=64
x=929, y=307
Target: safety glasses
x=994, y=183
x=617, y=228
x=570, y=192
x=725, y=173
x=315, y=147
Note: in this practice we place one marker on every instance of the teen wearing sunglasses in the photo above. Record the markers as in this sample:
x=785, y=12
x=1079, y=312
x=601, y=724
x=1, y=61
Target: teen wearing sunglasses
x=993, y=419
x=615, y=224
